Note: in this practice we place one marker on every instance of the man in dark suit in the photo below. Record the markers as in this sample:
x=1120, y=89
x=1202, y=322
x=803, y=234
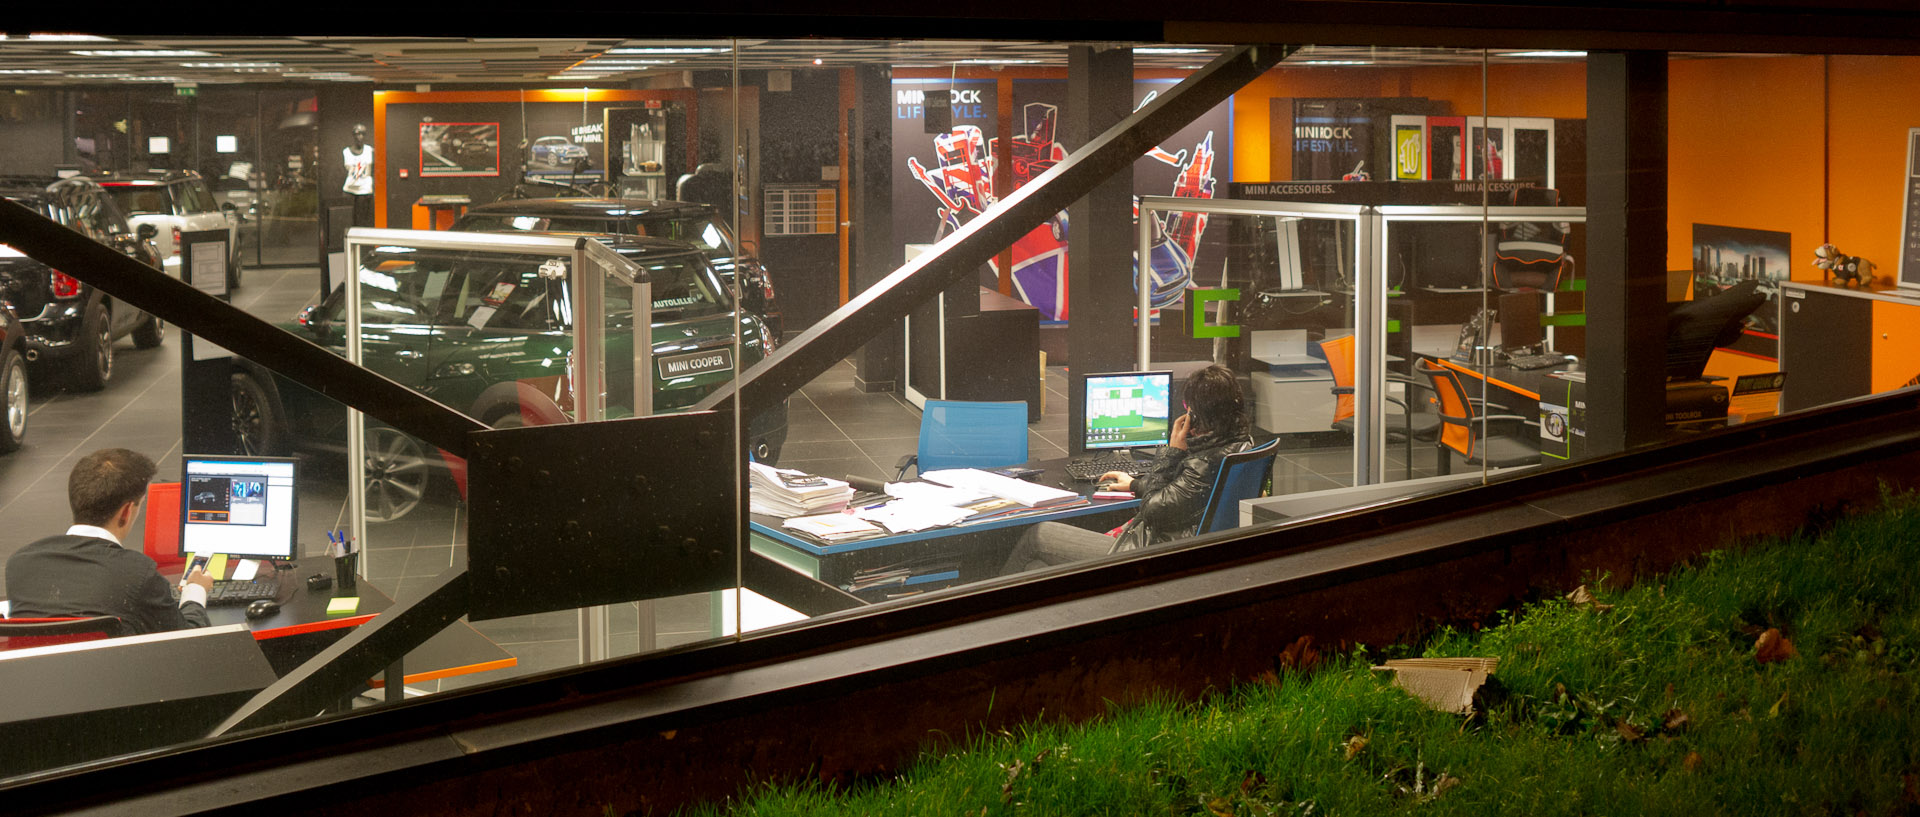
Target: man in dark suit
x=86, y=572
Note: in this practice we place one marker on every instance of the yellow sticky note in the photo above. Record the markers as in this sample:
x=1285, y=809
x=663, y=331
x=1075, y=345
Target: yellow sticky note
x=343, y=604
x=217, y=566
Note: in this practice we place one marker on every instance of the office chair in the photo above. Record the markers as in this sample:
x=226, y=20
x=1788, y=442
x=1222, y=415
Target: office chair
x=959, y=434
x=26, y=633
x=1468, y=428
x=1241, y=476
x=1530, y=254
x=1413, y=426
x=161, y=542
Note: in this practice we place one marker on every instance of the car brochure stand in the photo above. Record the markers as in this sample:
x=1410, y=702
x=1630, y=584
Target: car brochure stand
x=205, y=369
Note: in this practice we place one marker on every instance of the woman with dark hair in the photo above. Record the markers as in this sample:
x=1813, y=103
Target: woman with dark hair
x=1173, y=492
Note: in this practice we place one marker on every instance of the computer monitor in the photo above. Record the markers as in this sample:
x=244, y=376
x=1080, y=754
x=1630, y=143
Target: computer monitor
x=1520, y=327
x=1694, y=328
x=1128, y=410
x=239, y=506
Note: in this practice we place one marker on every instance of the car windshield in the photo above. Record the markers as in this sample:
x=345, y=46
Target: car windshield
x=428, y=288
x=444, y=288
x=141, y=199
x=701, y=230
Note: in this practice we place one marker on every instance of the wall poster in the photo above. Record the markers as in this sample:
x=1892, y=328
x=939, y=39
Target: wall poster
x=459, y=149
x=1724, y=256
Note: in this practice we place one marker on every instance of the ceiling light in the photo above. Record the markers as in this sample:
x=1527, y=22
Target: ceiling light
x=28, y=71
x=115, y=75
x=1334, y=62
x=669, y=49
x=994, y=61
x=1159, y=49
x=63, y=38
x=816, y=60
x=1544, y=54
x=144, y=52
x=627, y=62
x=151, y=79
x=229, y=65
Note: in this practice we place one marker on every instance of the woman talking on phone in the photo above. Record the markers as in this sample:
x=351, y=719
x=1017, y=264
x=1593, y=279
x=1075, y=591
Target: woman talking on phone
x=1173, y=492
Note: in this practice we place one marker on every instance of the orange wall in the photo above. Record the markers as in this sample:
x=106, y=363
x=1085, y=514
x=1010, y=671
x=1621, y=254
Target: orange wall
x=1874, y=101
x=1550, y=90
x=1745, y=148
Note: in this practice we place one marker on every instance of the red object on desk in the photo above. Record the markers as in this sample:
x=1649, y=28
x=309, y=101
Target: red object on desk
x=160, y=538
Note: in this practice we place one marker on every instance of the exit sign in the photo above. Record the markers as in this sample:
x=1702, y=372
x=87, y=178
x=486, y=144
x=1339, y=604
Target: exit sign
x=186, y=90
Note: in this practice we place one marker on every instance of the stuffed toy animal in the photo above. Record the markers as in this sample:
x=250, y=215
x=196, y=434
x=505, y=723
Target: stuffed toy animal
x=1846, y=269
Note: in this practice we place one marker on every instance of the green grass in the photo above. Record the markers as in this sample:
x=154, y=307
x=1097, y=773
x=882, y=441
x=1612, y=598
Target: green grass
x=1655, y=706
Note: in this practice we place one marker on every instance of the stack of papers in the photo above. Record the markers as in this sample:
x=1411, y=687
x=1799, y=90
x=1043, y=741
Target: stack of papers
x=784, y=492
x=909, y=515
x=934, y=494
x=1028, y=494
x=833, y=527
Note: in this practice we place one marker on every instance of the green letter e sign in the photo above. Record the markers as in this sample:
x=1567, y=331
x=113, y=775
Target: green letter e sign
x=1196, y=310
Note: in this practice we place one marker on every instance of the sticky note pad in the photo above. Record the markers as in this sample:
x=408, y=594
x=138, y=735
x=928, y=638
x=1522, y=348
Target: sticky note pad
x=343, y=604
x=217, y=566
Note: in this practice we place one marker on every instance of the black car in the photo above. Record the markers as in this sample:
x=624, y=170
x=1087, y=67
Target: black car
x=696, y=224
x=13, y=380
x=70, y=326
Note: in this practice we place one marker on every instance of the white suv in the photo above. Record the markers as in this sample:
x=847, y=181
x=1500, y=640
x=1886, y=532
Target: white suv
x=173, y=203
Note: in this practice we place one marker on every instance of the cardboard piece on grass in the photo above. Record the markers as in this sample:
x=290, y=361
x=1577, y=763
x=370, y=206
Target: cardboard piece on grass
x=1446, y=684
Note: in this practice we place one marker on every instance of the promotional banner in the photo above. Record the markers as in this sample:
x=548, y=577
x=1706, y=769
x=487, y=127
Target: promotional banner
x=944, y=179
x=460, y=149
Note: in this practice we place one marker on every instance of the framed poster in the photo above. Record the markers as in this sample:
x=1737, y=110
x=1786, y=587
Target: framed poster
x=459, y=149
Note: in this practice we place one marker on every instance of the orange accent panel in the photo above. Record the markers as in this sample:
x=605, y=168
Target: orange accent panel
x=449, y=672
x=1492, y=380
x=1896, y=344
x=313, y=627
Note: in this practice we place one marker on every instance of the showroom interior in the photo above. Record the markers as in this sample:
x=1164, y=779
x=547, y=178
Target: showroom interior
x=841, y=237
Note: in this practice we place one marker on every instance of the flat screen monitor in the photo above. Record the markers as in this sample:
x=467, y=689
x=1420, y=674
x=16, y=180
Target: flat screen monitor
x=1128, y=409
x=239, y=506
x=1520, y=320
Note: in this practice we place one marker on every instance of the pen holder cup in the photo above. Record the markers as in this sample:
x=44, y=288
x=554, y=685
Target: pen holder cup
x=345, y=569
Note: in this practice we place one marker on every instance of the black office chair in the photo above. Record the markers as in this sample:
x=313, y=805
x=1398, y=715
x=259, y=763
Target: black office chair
x=1531, y=254
x=1473, y=431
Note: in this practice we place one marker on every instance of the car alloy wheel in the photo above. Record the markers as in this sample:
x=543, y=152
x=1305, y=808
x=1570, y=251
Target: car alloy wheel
x=15, y=390
x=397, y=474
x=255, y=424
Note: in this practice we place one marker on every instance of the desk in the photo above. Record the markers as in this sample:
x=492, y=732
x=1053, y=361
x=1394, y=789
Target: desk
x=302, y=628
x=1560, y=403
x=945, y=556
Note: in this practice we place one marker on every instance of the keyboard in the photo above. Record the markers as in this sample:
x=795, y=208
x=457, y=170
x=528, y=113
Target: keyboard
x=1537, y=361
x=1089, y=470
x=230, y=592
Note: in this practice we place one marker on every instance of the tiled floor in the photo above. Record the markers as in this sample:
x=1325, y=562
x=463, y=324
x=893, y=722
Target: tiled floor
x=834, y=429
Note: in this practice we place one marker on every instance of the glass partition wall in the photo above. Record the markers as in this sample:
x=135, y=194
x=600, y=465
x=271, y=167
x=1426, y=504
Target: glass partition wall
x=1379, y=246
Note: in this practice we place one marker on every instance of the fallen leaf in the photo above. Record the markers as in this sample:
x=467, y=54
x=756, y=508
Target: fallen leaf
x=1627, y=732
x=1440, y=786
x=1691, y=762
x=1220, y=806
x=1772, y=646
x=1674, y=720
x=1013, y=773
x=1299, y=655
x=1355, y=745
x=1251, y=781
x=1775, y=711
x=1582, y=597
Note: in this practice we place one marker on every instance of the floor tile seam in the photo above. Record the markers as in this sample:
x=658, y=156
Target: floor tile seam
x=138, y=399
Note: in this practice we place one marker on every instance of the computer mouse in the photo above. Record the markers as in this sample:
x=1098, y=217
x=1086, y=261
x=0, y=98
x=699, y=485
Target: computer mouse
x=262, y=608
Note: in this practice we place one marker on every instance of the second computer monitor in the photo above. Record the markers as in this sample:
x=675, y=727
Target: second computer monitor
x=1520, y=327
x=239, y=506
x=1128, y=409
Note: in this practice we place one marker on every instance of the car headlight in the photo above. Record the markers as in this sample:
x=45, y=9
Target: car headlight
x=455, y=370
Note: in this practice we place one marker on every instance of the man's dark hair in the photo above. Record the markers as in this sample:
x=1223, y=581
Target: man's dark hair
x=104, y=481
x=1214, y=398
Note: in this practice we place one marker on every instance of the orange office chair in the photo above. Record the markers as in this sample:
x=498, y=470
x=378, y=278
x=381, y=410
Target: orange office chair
x=26, y=633
x=1469, y=431
x=1414, y=425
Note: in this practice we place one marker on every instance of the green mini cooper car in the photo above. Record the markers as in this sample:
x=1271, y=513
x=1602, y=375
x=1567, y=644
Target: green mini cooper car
x=491, y=335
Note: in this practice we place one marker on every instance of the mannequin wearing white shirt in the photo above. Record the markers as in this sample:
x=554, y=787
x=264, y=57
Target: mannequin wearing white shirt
x=359, y=184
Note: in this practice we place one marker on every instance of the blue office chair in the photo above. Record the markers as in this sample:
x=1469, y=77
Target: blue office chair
x=1242, y=474
x=957, y=434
